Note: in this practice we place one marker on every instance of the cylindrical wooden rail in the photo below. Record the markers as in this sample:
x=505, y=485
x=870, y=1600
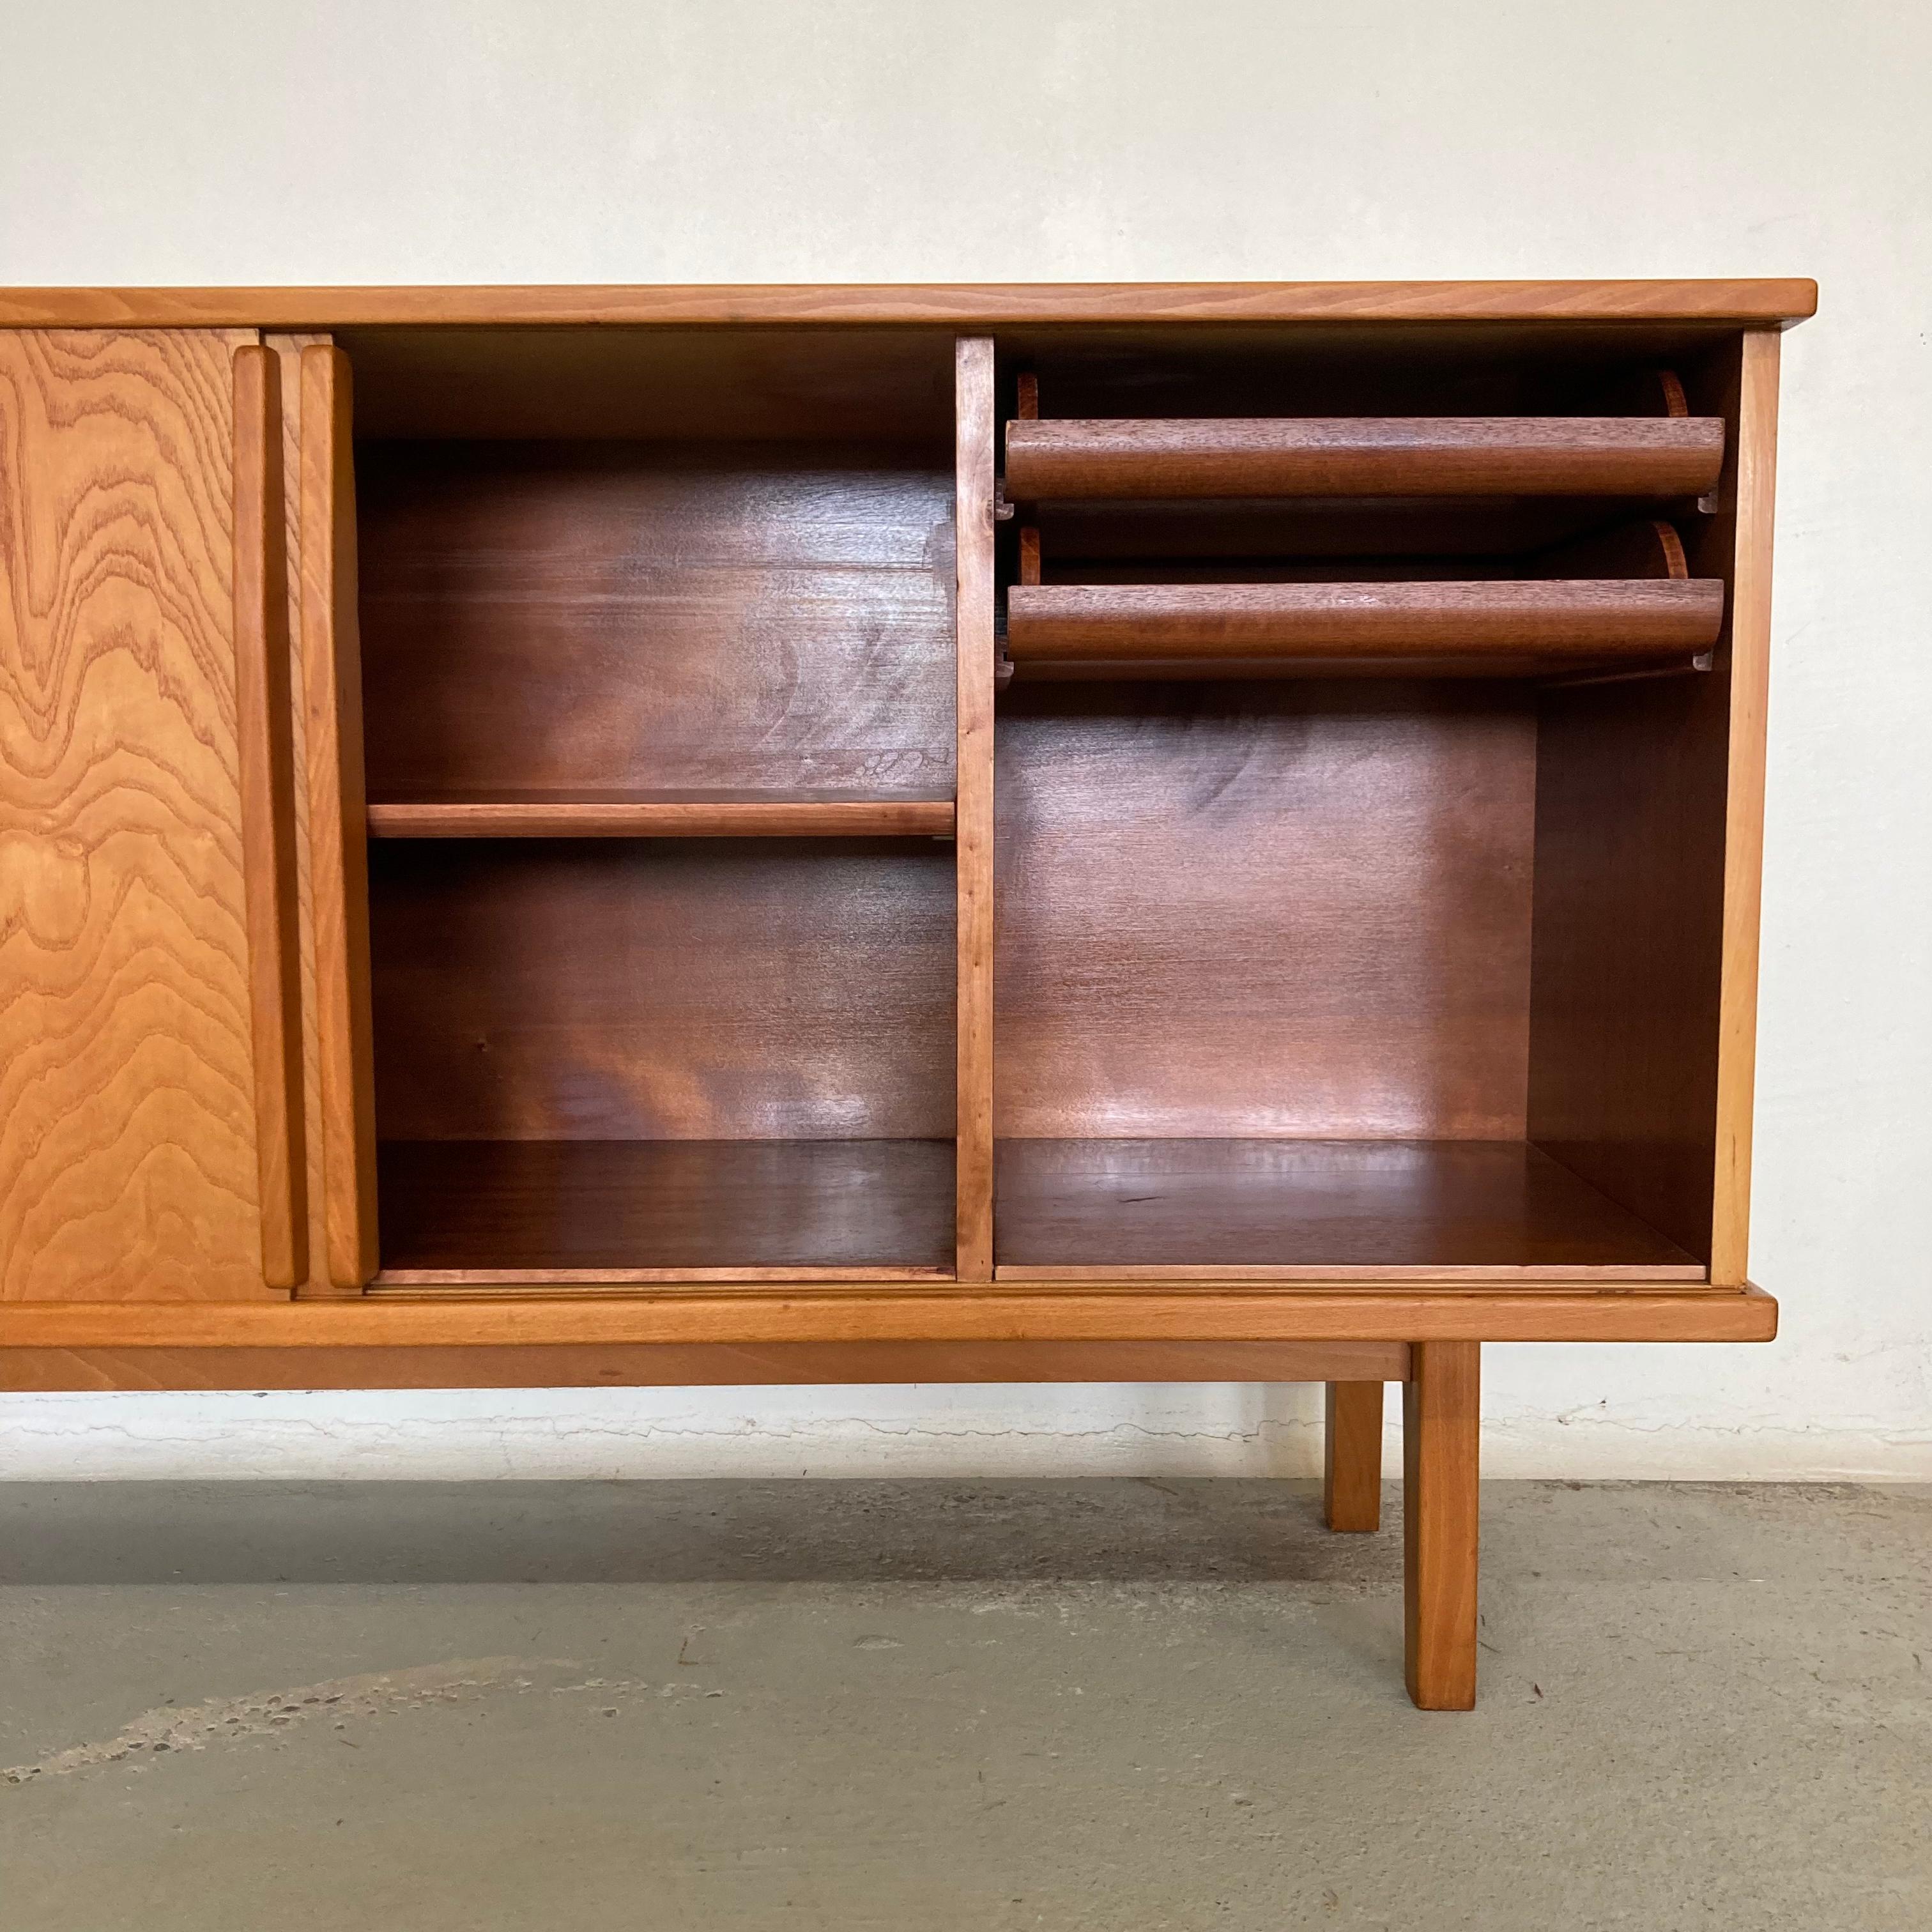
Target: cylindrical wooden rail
x=1365, y=456
x=1578, y=619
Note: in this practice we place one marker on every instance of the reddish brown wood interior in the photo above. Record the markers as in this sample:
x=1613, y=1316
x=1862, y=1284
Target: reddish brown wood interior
x=1183, y=1207
x=678, y=989
x=1370, y=909
x=551, y=1209
x=691, y=584
x=1290, y=908
x=614, y=616
x=1267, y=948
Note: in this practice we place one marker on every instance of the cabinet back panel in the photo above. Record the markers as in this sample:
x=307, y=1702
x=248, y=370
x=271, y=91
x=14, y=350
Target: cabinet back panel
x=682, y=989
x=659, y=384
x=1434, y=368
x=1259, y=910
x=610, y=615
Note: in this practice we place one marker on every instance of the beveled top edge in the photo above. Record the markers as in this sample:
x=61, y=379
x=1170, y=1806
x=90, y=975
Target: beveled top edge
x=1746, y=303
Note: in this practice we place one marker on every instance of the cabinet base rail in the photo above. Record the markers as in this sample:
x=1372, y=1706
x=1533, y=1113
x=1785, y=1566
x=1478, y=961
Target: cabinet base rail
x=399, y=1343
x=1198, y=1313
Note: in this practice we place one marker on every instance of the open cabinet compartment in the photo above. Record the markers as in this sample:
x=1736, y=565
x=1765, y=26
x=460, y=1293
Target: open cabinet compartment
x=1360, y=862
x=657, y=688
x=773, y=875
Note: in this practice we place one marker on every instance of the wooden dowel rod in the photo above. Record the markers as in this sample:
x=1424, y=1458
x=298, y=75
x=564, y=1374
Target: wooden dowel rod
x=1580, y=617
x=1364, y=456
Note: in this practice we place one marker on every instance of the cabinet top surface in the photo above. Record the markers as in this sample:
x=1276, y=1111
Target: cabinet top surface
x=1743, y=303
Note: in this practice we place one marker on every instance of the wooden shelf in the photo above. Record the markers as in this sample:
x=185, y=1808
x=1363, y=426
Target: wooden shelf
x=468, y=1213
x=663, y=814
x=1319, y=1209
x=1641, y=456
x=1496, y=627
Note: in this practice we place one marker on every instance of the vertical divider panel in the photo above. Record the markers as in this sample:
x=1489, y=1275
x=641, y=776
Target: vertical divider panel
x=1744, y=812
x=338, y=831
x=264, y=721
x=976, y=438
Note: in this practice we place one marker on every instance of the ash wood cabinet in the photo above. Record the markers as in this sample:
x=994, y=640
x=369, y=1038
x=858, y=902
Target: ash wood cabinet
x=787, y=835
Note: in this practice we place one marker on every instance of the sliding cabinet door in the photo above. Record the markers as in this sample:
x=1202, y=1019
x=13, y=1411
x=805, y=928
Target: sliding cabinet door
x=150, y=1118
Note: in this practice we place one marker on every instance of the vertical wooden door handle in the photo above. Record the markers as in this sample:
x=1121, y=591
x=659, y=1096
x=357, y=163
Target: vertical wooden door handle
x=264, y=728
x=337, y=818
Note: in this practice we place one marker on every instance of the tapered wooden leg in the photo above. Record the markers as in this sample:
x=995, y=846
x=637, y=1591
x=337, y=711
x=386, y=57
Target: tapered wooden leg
x=1352, y=1461
x=1440, y=1408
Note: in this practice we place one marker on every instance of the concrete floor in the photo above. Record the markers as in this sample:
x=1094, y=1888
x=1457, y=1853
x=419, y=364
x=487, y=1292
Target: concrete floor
x=925, y=1705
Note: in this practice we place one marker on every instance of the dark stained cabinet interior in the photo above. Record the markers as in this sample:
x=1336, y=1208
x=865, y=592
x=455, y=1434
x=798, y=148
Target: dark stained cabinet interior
x=1303, y=639
x=603, y=1044
x=1317, y=651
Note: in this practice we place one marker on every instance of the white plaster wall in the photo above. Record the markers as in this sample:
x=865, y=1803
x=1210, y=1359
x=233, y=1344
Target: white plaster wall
x=630, y=140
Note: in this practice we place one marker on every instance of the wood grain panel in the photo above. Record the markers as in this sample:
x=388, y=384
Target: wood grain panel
x=128, y=1151
x=690, y=989
x=1238, y=910
x=946, y=305
x=973, y=1074
x=688, y=1207
x=1200, y=1313
x=699, y=1364
x=1121, y=1205
x=581, y=616
x=264, y=711
x=1363, y=456
x=339, y=884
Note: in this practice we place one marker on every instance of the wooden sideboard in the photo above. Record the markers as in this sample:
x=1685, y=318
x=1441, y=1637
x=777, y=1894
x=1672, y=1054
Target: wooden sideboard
x=576, y=836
